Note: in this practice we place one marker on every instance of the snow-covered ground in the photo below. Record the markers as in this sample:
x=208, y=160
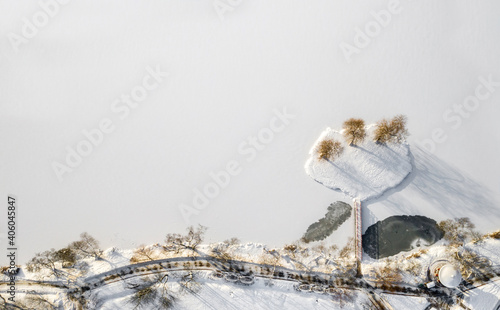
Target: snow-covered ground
x=212, y=293
x=363, y=171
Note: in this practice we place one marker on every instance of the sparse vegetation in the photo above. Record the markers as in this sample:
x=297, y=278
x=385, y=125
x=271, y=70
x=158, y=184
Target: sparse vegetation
x=190, y=241
x=343, y=296
x=414, y=268
x=152, y=292
x=329, y=149
x=348, y=251
x=38, y=301
x=46, y=260
x=389, y=273
x=142, y=254
x=493, y=235
x=354, y=131
x=393, y=130
x=221, y=250
x=66, y=255
x=52, y=259
x=87, y=246
x=188, y=283
x=473, y=266
x=459, y=231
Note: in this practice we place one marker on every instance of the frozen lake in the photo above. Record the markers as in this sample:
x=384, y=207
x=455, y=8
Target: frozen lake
x=214, y=120
x=400, y=233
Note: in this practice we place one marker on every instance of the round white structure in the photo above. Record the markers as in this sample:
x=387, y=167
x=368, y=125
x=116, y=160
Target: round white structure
x=449, y=276
x=443, y=273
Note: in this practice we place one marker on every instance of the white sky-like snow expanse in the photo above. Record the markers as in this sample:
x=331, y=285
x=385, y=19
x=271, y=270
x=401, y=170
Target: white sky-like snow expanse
x=227, y=76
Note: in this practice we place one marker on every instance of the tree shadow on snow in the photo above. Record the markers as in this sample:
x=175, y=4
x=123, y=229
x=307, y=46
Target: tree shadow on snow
x=442, y=186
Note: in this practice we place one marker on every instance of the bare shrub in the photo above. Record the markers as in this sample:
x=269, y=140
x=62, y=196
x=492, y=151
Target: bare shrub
x=417, y=253
x=354, y=131
x=343, y=296
x=329, y=149
x=493, y=235
x=473, y=266
x=388, y=273
x=348, y=251
x=459, y=231
x=414, y=268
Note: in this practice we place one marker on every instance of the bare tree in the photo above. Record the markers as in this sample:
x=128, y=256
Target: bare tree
x=329, y=149
x=142, y=254
x=193, y=238
x=354, y=131
x=152, y=292
x=65, y=255
x=44, y=261
x=232, y=241
x=391, y=131
x=188, y=283
x=87, y=246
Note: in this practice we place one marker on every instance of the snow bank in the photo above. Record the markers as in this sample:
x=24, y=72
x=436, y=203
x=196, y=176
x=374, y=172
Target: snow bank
x=365, y=171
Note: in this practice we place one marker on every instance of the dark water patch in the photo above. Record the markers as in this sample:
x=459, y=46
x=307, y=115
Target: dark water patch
x=400, y=233
x=338, y=213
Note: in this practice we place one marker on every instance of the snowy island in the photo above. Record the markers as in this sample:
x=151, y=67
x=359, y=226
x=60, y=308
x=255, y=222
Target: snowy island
x=364, y=170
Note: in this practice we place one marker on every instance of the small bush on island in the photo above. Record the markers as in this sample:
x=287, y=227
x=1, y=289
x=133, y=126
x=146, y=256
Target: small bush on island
x=354, y=131
x=391, y=131
x=329, y=149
